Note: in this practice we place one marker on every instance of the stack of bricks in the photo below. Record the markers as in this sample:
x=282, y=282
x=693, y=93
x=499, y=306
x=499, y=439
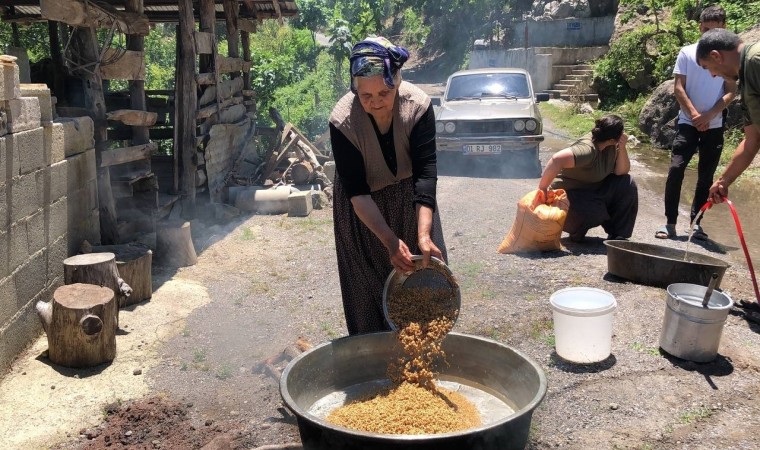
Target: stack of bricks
x=48, y=197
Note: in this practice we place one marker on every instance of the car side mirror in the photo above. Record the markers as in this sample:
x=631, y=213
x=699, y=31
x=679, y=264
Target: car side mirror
x=436, y=101
x=542, y=97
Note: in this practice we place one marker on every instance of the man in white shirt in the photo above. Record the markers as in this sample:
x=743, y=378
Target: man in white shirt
x=702, y=99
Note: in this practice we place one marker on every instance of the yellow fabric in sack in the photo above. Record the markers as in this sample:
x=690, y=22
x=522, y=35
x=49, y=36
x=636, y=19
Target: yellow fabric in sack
x=538, y=224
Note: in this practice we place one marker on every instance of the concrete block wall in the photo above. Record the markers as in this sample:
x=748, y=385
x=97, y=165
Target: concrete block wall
x=572, y=32
x=46, y=200
x=538, y=65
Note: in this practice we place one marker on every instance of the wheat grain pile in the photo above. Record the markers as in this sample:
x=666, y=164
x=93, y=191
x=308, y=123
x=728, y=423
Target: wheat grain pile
x=414, y=405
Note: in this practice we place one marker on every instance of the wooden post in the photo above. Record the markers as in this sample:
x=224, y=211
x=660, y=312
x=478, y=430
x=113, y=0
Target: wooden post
x=80, y=323
x=207, y=16
x=231, y=8
x=56, y=55
x=187, y=101
x=98, y=269
x=245, y=38
x=137, y=87
x=95, y=102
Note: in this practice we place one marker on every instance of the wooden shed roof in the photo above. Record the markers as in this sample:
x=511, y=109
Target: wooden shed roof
x=156, y=10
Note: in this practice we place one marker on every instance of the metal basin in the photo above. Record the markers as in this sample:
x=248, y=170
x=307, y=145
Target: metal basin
x=659, y=266
x=505, y=385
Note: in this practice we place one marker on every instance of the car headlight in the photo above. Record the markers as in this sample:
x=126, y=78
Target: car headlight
x=450, y=127
x=531, y=125
x=519, y=125
x=439, y=127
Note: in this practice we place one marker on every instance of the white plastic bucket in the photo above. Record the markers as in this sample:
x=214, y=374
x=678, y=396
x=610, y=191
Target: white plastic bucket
x=583, y=323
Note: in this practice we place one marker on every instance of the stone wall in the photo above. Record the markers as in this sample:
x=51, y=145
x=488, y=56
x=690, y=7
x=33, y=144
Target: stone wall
x=48, y=203
x=572, y=32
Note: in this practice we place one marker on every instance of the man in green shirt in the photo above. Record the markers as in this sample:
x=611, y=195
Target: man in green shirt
x=723, y=54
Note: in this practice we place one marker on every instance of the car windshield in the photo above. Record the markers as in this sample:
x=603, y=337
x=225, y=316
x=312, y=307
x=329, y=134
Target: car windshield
x=474, y=86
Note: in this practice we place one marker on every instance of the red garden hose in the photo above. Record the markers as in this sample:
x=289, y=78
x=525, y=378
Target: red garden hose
x=739, y=230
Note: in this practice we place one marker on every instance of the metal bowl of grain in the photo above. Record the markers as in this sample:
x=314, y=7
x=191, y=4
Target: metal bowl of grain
x=421, y=295
x=504, y=384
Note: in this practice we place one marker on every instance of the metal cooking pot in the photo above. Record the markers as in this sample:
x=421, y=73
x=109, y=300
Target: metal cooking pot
x=659, y=266
x=475, y=363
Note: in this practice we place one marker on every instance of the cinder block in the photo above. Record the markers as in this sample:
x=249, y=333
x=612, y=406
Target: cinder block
x=54, y=142
x=24, y=328
x=35, y=232
x=30, y=150
x=5, y=218
x=23, y=114
x=81, y=170
x=5, y=243
x=18, y=248
x=9, y=79
x=9, y=163
x=25, y=196
x=57, y=251
x=78, y=134
x=41, y=91
x=8, y=302
x=299, y=204
x=31, y=277
x=56, y=220
x=55, y=183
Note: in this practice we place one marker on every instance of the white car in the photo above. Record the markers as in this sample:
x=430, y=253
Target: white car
x=491, y=114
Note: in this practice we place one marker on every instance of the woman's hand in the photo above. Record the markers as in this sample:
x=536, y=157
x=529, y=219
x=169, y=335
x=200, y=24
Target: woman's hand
x=428, y=249
x=401, y=257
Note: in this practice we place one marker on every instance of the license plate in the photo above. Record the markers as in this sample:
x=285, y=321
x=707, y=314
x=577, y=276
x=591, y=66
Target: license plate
x=480, y=149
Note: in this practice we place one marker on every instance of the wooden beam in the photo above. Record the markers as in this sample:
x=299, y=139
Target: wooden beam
x=276, y=5
x=130, y=65
x=246, y=25
x=187, y=101
x=133, y=117
x=127, y=154
x=88, y=15
x=223, y=91
x=227, y=65
x=204, y=43
x=231, y=8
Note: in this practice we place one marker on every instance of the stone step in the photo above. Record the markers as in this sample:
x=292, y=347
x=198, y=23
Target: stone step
x=584, y=67
x=583, y=72
x=581, y=97
x=574, y=76
x=571, y=81
x=555, y=93
x=565, y=87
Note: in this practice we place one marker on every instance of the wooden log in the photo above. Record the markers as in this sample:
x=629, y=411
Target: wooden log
x=208, y=111
x=98, y=269
x=174, y=244
x=226, y=65
x=223, y=91
x=205, y=79
x=122, y=65
x=134, y=264
x=80, y=323
x=135, y=118
x=88, y=15
x=127, y=154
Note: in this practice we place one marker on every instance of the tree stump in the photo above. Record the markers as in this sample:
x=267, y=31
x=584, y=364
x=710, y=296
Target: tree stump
x=80, y=323
x=98, y=269
x=174, y=245
x=133, y=263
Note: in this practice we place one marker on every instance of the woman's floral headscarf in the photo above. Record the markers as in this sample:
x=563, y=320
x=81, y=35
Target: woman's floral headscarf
x=376, y=56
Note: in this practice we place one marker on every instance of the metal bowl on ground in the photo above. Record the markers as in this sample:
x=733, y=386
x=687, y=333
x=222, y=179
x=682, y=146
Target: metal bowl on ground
x=436, y=276
x=504, y=384
x=659, y=266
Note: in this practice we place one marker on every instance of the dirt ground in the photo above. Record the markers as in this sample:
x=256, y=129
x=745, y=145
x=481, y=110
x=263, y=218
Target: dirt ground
x=188, y=371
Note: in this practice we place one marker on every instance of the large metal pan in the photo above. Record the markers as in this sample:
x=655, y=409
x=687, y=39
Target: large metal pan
x=474, y=363
x=659, y=266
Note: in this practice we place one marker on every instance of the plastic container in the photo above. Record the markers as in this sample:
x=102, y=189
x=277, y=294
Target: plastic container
x=691, y=331
x=583, y=324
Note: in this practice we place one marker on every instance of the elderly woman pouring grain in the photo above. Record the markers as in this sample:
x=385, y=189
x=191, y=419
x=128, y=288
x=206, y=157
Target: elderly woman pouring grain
x=383, y=141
